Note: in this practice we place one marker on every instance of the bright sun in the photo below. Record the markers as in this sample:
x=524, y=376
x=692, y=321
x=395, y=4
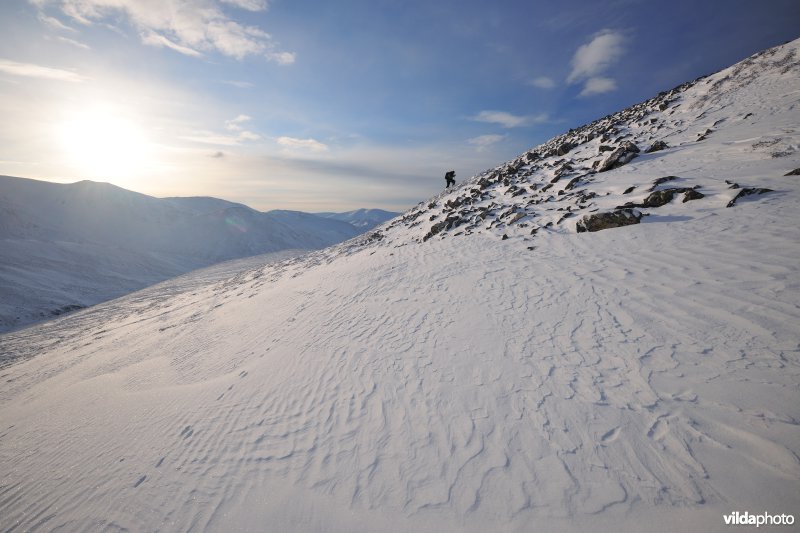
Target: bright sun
x=103, y=144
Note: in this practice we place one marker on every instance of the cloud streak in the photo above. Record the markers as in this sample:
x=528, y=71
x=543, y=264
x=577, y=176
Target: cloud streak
x=189, y=27
x=309, y=145
x=509, y=120
x=30, y=70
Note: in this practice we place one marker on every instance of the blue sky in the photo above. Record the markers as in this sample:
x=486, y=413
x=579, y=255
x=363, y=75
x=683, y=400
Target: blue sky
x=336, y=105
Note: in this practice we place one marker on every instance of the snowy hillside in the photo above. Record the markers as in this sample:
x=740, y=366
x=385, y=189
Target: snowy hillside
x=69, y=246
x=478, y=364
x=363, y=219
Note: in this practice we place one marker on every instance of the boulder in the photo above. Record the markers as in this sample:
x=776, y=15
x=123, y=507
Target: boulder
x=622, y=155
x=608, y=220
x=564, y=148
x=657, y=146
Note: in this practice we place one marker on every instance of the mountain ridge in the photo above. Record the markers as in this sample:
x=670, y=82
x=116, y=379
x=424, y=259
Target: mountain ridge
x=128, y=239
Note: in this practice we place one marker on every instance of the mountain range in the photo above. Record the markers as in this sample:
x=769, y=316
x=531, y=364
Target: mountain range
x=69, y=246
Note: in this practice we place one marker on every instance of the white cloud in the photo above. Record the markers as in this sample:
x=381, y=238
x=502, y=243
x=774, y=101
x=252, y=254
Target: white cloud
x=593, y=59
x=54, y=23
x=235, y=124
x=189, y=27
x=312, y=145
x=74, y=43
x=249, y=5
x=598, y=85
x=482, y=142
x=508, y=120
x=154, y=39
x=543, y=82
x=30, y=70
x=597, y=55
x=239, y=135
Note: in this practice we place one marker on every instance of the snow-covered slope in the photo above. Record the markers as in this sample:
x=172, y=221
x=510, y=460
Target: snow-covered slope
x=68, y=246
x=637, y=378
x=363, y=219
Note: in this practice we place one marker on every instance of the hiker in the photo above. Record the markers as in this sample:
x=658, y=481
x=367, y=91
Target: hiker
x=450, y=178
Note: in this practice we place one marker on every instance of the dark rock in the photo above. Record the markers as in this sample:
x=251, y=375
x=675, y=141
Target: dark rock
x=659, y=198
x=608, y=220
x=692, y=194
x=629, y=189
x=436, y=228
x=747, y=191
x=622, y=155
x=606, y=148
x=572, y=183
x=657, y=146
x=504, y=237
x=665, y=179
x=795, y=172
x=564, y=148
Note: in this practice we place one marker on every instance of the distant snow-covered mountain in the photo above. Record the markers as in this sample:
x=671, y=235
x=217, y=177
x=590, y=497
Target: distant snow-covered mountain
x=68, y=246
x=599, y=335
x=364, y=219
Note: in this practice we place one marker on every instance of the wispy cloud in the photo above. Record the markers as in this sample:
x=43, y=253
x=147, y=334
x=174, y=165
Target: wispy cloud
x=190, y=27
x=73, y=42
x=309, y=145
x=543, y=82
x=55, y=24
x=30, y=70
x=482, y=142
x=154, y=39
x=508, y=120
x=239, y=84
x=235, y=124
x=598, y=85
x=595, y=58
x=238, y=136
x=249, y=5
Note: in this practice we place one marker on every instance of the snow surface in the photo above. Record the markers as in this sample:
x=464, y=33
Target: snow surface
x=637, y=378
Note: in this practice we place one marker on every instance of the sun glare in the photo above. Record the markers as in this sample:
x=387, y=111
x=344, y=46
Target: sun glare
x=103, y=144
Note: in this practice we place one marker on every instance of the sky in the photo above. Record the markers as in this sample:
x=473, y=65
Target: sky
x=332, y=106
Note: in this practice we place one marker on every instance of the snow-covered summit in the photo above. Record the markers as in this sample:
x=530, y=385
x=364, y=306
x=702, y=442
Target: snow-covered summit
x=644, y=377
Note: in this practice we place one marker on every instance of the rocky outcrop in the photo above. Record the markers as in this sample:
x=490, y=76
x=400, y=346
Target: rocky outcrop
x=663, y=197
x=608, y=220
x=622, y=155
x=747, y=191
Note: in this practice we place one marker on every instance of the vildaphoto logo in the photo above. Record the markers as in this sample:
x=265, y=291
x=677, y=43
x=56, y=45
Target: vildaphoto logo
x=765, y=519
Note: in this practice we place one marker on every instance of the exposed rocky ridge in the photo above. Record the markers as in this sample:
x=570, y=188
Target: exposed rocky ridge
x=558, y=183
